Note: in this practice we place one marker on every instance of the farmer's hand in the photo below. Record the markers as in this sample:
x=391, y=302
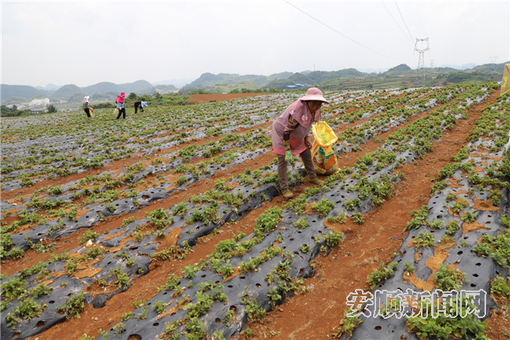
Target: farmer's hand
x=286, y=144
x=308, y=143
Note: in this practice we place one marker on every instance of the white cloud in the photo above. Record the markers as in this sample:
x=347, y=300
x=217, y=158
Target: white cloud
x=88, y=42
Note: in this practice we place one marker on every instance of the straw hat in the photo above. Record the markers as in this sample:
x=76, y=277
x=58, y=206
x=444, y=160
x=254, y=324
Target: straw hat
x=314, y=93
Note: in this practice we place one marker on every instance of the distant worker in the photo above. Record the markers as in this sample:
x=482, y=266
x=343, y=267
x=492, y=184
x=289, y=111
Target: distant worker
x=86, y=107
x=120, y=105
x=140, y=105
x=290, y=132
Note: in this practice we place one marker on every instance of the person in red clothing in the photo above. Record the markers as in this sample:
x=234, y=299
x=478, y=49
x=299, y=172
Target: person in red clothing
x=290, y=132
x=120, y=105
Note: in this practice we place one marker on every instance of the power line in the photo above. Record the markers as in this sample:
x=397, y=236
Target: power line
x=334, y=30
x=420, y=18
x=404, y=21
x=396, y=23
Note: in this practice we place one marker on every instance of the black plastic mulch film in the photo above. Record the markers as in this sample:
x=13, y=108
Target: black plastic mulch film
x=250, y=285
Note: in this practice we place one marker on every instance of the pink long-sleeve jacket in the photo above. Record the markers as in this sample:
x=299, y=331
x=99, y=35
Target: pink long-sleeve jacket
x=299, y=111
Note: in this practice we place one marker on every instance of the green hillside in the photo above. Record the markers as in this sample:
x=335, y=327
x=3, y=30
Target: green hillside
x=22, y=91
x=11, y=94
x=399, y=76
x=66, y=92
x=227, y=82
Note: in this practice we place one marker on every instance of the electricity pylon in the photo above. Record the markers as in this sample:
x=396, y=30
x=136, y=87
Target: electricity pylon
x=421, y=56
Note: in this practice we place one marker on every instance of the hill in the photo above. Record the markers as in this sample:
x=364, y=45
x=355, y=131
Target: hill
x=69, y=92
x=22, y=91
x=105, y=87
x=399, y=70
x=165, y=89
x=226, y=82
x=489, y=68
x=399, y=76
x=66, y=92
x=49, y=87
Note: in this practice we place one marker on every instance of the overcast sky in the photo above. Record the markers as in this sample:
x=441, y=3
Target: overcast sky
x=88, y=42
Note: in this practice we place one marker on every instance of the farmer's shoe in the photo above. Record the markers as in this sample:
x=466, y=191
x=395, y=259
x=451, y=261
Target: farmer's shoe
x=287, y=193
x=316, y=181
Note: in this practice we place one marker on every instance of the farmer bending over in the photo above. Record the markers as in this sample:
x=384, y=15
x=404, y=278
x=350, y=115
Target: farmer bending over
x=290, y=131
x=140, y=105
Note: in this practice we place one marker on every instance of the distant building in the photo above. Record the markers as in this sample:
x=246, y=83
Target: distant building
x=163, y=91
x=35, y=111
x=39, y=102
x=295, y=86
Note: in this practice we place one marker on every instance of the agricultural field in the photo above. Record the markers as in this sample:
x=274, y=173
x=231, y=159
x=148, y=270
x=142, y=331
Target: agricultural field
x=170, y=224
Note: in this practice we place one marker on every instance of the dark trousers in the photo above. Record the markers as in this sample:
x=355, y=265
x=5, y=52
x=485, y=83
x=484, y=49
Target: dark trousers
x=306, y=157
x=87, y=111
x=122, y=112
x=138, y=105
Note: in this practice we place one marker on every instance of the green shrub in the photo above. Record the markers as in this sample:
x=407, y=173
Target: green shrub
x=254, y=312
x=268, y=220
x=158, y=218
x=469, y=217
x=496, y=247
x=440, y=326
x=408, y=268
x=337, y=219
x=323, y=207
x=501, y=287
x=88, y=235
x=181, y=180
x=298, y=204
x=357, y=218
x=73, y=307
x=334, y=238
x=382, y=274
x=349, y=323
x=180, y=209
x=423, y=239
x=447, y=279
x=159, y=307
x=29, y=309
x=302, y=223
x=419, y=218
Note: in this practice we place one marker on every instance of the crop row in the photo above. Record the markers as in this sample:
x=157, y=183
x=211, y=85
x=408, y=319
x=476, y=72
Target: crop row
x=243, y=277
x=76, y=149
x=466, y=225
